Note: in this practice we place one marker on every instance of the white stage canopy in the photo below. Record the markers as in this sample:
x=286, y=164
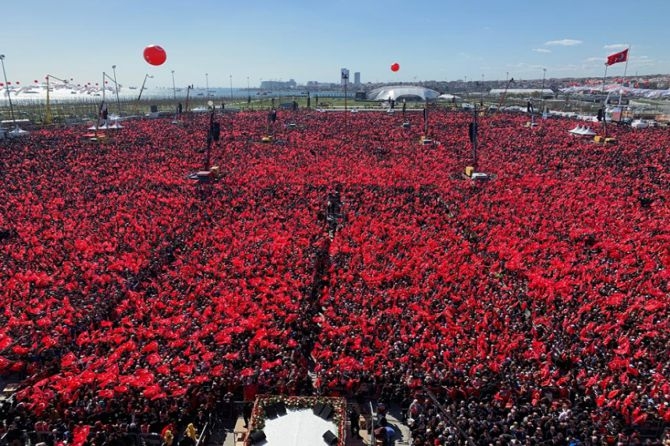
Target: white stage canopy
x=397, y=92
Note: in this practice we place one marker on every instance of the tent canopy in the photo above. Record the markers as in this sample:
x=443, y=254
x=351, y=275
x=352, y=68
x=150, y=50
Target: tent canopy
x=409, y=92
x=449, y=97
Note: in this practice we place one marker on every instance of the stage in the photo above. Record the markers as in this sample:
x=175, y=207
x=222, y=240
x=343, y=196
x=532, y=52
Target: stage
x=297, y=421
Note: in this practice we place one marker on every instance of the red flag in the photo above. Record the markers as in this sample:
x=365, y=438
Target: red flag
x=621, y=56
x=80, y=434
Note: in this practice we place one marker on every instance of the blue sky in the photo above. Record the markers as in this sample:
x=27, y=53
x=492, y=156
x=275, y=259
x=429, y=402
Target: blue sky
x=311, y=40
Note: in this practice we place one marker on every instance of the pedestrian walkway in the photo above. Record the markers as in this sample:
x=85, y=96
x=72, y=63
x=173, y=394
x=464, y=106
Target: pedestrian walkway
x=236, y=433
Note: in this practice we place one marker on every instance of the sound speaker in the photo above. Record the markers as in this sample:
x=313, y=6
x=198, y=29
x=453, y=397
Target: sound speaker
x=256, y=436
x=318, y=407
x=281, y=409
x=271, y=411
x=326, y=412
x=216, y=131
x=330, y=438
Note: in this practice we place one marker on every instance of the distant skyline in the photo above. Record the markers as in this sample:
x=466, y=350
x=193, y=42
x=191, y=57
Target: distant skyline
x=246, y=42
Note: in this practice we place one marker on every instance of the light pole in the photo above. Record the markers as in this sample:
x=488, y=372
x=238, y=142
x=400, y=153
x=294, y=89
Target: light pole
x=104, y=79
x=544, y=73
x=231, y=88
x=9, y=96
x=207, y=84
x=146, y=76
x=116, y=87
x=174, y=89
x=483, y=88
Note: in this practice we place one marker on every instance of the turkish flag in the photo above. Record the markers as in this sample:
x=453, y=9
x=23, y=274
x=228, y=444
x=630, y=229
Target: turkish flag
x=80, y=434
x=621, y=56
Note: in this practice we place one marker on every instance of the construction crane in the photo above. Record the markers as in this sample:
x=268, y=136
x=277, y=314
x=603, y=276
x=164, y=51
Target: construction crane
x=48, y=116
x=504, y=95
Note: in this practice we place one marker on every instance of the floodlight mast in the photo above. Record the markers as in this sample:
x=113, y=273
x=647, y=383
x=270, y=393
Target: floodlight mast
x=473, y=137
x=9, y=96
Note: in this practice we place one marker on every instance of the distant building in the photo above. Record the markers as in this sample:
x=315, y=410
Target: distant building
x=278, y=85
x=357, y=78
x=525, y=92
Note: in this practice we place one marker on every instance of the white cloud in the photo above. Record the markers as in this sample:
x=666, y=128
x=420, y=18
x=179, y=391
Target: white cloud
x=643, y=61
x=616, y=46
x=470, y=56
x=541, y=50
x=524, y=67
x=570, y=68
x=564, y=42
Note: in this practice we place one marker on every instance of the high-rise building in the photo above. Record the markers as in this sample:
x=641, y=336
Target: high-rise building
x=357, y=78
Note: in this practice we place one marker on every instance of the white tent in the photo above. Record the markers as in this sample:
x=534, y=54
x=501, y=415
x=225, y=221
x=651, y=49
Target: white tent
x=449, y=97
x=408, y=92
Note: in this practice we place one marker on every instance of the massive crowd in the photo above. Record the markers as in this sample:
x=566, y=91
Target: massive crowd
x=533, y=308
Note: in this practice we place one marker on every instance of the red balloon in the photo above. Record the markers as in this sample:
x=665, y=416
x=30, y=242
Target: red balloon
x=395, y=66
x=155, y=55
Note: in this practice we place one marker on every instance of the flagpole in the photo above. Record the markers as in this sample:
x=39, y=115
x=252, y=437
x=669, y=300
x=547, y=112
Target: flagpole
x=624, y=74
x=604, y=106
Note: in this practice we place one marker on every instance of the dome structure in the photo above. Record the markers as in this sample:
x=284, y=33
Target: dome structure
x=408, y=92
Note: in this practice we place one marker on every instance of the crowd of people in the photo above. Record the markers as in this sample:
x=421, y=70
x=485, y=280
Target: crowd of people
x=530, y=309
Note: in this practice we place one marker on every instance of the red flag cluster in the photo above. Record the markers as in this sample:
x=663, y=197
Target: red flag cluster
x=530, y=282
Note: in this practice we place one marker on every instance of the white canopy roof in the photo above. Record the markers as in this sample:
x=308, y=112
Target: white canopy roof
x=402, y=91
x=449, y=97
